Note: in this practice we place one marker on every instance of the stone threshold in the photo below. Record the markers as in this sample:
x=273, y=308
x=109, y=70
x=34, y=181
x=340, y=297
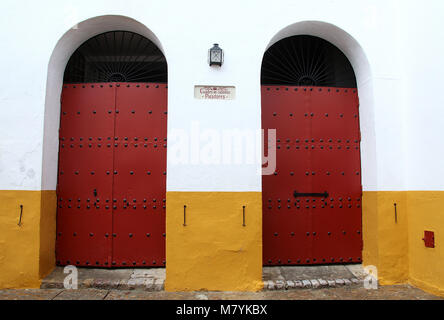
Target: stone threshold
x=153, y=280
x=312, y=277
x=272, y=285
x=110, y=279
x=150, y=285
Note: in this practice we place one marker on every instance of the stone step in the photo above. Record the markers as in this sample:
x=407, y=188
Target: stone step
x=148, y=284
x=104, y=279
x=273, y=285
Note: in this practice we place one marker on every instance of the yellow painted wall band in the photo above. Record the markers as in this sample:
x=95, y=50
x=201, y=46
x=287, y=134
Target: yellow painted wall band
x=214, y=251
x=26, y=251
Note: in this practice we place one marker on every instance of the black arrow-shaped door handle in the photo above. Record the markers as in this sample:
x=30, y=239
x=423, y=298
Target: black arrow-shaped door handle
x=300, y=194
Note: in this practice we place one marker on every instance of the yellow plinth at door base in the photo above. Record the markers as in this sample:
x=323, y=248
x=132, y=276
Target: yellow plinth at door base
x=27, y=251
x=214, y=251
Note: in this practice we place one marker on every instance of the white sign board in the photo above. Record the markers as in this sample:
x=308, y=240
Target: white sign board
x=215, y=92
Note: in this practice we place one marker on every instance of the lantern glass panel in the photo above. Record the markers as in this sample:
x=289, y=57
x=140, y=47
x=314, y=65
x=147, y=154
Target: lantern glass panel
x=216, y=55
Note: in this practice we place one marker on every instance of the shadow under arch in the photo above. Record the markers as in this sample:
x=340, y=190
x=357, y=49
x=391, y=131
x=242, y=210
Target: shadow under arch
x=60, y=56
x=362, y=69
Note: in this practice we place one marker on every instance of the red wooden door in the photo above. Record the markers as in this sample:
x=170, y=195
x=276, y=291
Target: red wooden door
x=140, y=179
x=112, y=175
x=312, y=203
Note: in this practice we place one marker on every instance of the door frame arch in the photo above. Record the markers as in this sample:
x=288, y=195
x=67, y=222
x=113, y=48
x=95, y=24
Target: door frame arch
x=60, y=56
x=354, y=52
x=62, y=52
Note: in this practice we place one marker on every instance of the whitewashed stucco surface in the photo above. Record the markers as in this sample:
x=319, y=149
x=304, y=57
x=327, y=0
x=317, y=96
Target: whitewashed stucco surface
x=395, y=47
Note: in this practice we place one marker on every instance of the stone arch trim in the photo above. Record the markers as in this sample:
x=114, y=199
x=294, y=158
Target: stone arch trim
x=362, y=68
x=59, y=58
x=63, y=50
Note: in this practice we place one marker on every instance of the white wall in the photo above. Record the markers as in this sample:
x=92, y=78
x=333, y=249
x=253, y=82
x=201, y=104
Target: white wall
x=423, y=93
x=398, y=65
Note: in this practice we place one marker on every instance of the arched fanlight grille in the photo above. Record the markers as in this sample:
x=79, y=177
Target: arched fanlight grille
x=307, y=61
x=117, y=56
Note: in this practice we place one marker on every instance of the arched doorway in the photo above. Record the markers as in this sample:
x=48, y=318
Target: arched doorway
x=312, y=203
x=112, y=158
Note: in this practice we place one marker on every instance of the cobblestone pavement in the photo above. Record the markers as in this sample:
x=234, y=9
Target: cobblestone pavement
x=402, y=292
x=335, y=282
x=306, y=277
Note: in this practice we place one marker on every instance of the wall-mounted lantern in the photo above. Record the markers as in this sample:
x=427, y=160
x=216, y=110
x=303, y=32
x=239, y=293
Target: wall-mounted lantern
x=215, y=56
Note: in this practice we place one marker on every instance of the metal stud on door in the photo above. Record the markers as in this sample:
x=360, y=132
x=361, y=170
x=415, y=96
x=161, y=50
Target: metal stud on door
x=84, y=214
x=140, y=175
x=318, y=174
